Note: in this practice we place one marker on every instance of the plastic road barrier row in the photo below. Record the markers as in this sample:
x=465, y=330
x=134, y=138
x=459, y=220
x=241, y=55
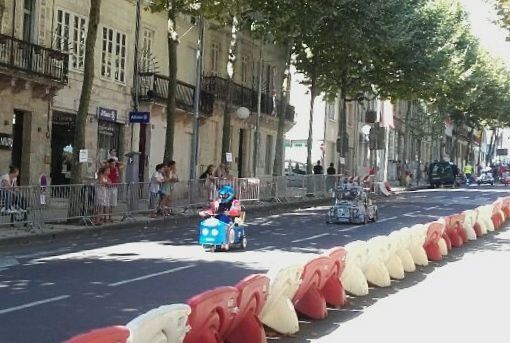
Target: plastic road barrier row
x=237, y=314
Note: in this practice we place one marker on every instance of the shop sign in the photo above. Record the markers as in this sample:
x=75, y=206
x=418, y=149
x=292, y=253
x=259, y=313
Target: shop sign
x=139, y=117
x=501, y=152
x=6, y=141
x=107, y=114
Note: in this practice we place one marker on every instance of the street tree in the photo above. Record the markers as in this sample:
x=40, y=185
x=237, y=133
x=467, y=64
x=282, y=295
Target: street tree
x=86, y=90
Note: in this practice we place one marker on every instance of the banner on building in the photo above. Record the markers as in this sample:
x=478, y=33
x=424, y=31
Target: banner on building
x=502, y=152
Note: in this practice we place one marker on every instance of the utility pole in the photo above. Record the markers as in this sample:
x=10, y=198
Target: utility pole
x=196, y=100
x=259, y=112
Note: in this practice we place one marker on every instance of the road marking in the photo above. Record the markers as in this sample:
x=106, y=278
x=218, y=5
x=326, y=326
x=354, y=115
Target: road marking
x=33, y=304
x=350, y=228
x=115, y=284
x=43, y=253
x=386, y=219
x=431, y=208
x=310, y=238
x=265, y=248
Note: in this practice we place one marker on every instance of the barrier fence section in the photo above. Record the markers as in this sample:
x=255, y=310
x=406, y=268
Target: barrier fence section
x=90, y=204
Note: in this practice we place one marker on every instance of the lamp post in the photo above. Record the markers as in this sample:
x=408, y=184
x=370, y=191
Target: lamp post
x=259, y=112
x=196, y=100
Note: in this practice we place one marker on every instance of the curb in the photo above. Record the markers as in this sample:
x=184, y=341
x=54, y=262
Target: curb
x=166, y=223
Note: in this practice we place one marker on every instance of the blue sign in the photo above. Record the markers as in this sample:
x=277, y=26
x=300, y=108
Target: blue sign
x=140, y=117
x=107, y=114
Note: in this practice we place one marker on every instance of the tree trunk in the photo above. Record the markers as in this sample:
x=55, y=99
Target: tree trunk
x=310, y=126
x=406, y=143
x=232, y=57
x=86, y=89
x=173, y=42
x=492, y=146
x=418, y=162
x=282, y=111
x=342, y=130
x=470, y=145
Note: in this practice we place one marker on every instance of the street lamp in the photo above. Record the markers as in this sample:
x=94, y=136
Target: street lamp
x=243, y=113
x=196, y=100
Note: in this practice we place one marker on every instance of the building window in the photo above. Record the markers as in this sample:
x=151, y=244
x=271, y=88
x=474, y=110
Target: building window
x=147, y=58
x=28, y=20
x=215, y=58
x=113, y=56
x=71, y=34
x=330, y=110
x=245, y=62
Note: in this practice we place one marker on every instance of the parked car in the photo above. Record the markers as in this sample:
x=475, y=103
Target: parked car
x=485, y=178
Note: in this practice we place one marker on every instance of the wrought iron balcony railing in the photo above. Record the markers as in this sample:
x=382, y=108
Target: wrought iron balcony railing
x=33, y=59
x=246, y=97
x=155, y=86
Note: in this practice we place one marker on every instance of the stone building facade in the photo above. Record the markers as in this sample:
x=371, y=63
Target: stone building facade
x=40, y=97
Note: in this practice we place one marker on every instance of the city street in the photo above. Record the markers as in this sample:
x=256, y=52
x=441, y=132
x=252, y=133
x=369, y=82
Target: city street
x=50, y=292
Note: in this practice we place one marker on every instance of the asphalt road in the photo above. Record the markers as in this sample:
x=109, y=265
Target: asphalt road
x=50, y=292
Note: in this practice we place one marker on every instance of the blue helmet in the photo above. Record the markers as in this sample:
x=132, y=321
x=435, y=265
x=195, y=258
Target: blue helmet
x=226, y=194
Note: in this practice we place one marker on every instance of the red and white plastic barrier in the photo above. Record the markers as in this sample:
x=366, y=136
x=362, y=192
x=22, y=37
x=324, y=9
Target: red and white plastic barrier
x=163, y=324
x=236, y=314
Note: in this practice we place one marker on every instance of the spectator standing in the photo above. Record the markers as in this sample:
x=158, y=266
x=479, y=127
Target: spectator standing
x=331, y=170
x=208, y=173
x=114, y=167
x=317, y=169
x=8, y=186
x=167, y=187
x=207, y=183
x=155, y=188
x=102, y=195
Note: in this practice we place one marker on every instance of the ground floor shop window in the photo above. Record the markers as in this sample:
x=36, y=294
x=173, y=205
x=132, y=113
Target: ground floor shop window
x=108, y=138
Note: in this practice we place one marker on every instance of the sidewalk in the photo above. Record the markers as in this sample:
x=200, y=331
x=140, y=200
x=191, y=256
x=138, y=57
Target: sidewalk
x=463, y=299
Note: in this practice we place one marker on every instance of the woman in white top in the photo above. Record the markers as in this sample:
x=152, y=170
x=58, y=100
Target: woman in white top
x=8, y=185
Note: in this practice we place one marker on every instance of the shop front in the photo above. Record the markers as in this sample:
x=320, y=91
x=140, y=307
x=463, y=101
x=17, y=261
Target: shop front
x=109, y=132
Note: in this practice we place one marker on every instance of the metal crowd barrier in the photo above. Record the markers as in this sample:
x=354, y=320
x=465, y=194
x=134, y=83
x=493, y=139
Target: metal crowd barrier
x=34, y=207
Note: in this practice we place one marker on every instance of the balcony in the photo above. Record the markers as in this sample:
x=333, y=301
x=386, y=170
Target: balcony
x=246, y=97
x=155, y=87
x=33, y=59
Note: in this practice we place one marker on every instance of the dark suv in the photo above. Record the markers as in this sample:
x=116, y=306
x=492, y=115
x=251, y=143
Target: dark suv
x=442, y=173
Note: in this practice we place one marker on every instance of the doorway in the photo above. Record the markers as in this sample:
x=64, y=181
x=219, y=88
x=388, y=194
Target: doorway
x=240, y=158
x=62, y=137
x=142, y=147
x=17, y=140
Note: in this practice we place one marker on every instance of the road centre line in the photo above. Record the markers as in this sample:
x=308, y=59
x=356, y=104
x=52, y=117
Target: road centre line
x=145, y=277
x=431, y=208
x=386, y=219
x=33, y=304
x=310, y=238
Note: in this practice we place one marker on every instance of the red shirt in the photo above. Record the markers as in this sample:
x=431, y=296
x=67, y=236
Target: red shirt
x=114, y=175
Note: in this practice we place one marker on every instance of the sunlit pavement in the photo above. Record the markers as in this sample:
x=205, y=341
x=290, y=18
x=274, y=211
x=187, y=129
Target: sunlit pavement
x=463, y=299
x=51, y=292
